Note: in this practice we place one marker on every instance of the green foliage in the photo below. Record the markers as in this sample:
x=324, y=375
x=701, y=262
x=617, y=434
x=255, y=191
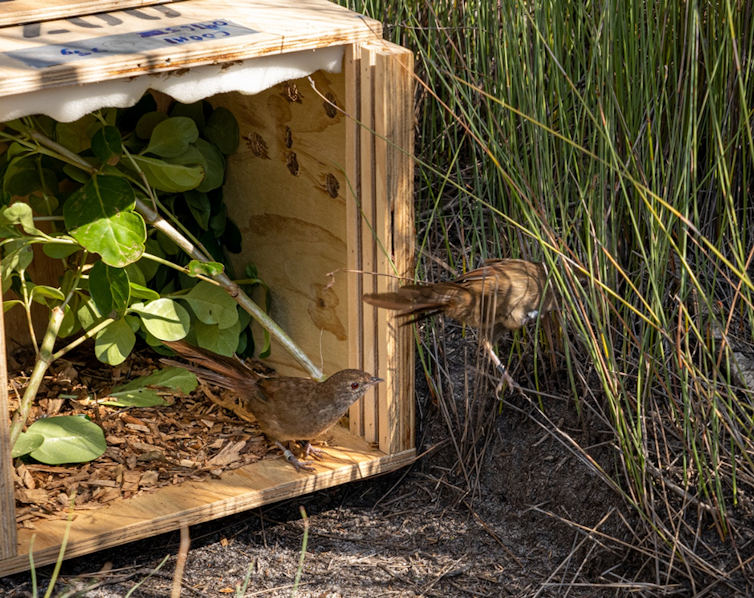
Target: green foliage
x=121, y=282
x=142, y=392
x=616, y=136
x=138, y=279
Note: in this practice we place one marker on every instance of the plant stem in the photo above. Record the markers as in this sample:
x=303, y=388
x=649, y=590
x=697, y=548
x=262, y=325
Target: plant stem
x=44, y=360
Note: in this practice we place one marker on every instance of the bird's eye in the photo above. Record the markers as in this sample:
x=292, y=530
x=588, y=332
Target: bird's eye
x=354, y=385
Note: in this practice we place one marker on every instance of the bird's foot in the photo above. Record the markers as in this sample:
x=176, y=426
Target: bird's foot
x=506, y=378
x=311, y=451
x=291, y=458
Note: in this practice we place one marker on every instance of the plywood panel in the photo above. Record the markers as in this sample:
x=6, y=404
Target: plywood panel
x=19, y=12
x=7, y=500
x=165, y=38
x=349, y=458
x=394, y=225
x=286, y=192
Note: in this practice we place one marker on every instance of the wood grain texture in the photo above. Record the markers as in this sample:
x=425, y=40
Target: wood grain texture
x=20, y=12
x=285, y=190
x=394, y=223
x=123, y=44
x=369, y=242
x=352, y=70
x=270, y=480
x=7, y=499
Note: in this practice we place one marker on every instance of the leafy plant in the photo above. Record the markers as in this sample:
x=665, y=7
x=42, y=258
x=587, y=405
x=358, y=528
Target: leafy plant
x=81, y=190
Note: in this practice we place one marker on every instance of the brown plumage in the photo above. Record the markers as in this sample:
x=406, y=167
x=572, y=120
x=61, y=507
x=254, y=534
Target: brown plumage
x=286, y=408
x=504, y=294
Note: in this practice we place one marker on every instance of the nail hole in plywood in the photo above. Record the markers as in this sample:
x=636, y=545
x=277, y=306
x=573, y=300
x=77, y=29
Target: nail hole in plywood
x=291, y=162
x=258, y=146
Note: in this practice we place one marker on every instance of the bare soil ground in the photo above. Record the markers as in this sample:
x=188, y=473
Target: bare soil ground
x=500, y=504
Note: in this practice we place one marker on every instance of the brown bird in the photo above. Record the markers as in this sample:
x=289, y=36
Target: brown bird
x=286, y=408
x=504, y=294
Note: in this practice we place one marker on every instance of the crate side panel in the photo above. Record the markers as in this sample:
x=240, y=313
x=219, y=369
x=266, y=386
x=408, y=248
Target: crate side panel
x=165, y=38
x=286, y=193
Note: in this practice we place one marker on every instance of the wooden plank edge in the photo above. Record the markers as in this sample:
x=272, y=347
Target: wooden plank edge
x=369, y=246
x=209, y=512
x=81, y=9
x=394, y=127
x=8, y=537
x=352, y=68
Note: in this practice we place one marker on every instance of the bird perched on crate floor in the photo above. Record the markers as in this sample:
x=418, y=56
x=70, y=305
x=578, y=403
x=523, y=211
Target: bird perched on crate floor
x=286, y=408
x=504, y=294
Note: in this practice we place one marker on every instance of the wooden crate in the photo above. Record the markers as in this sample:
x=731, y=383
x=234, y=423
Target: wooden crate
x=311, y=202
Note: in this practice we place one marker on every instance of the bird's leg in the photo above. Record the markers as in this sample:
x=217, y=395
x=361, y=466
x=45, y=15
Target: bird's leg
x=311, y=451
x=291, y=458
x=504, y=375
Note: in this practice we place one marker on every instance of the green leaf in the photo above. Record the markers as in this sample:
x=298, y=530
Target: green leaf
x=193, y=111
x=135, y=274
x=141, y=292
x=163, y=318
x=221, y=341
x=75, y=136
x=200, y=207
x=212, y=304
x=99, y=216
x=88, y=314
x=170, y=377
x=78, y=175
x=167, y=244
x=172, y=137
x=114, y=343
x=67, y=439
x=8, y=303
x=59, y=251
x=41, y=291
x=110, y=289
x=215, y=166
x=21, y=176
x=139, y=397
x=196, y=268
x=107, y=145
x=26, y=443
x=70, y=323
x=20, y=213
x=172, y=178
x=222, y=130
x=148, y=122
x=18, y=256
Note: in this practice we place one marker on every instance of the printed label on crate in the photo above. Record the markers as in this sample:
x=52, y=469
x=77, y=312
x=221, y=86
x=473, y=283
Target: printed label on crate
x=129, y=43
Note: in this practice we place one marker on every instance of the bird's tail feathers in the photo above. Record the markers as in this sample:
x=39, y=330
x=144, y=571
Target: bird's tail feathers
x=225, y=372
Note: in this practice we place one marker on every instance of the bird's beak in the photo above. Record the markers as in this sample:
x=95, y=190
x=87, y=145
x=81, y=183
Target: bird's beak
x=375, y=380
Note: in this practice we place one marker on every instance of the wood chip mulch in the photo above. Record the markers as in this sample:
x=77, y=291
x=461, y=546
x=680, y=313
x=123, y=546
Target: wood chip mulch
x=191, y=438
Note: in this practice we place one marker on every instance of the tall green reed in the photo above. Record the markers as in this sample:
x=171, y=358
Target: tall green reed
x=615, y=137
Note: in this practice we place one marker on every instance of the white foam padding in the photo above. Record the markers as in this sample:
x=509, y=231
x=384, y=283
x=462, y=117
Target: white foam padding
x=66, y=104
